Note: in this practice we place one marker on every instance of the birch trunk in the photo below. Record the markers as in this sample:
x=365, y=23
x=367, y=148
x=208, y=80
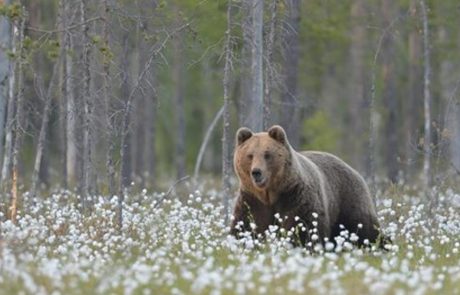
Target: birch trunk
x=226, y=139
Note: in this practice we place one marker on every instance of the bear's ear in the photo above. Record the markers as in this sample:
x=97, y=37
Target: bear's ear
x=242, y=135
x=277, y=133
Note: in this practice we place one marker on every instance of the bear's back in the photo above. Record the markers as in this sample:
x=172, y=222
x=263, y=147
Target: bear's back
x=342, y=179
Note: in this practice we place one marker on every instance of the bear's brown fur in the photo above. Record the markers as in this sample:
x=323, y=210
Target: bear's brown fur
x=274, y=178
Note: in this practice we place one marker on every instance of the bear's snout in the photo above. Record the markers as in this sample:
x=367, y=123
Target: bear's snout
x=257, y=176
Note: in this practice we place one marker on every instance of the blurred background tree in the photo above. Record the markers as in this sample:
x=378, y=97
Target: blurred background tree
x=138, y=83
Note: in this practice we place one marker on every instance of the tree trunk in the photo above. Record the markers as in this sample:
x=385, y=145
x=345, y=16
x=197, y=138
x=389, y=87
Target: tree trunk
x=414, y=93
x=179, y=105
x=454, y=146
x=71, y=114
x=255, y=105
x=150, y=137
x=63, y=113
x=5, y=42
x=124, y=151
x=109, y=121
x=138, y=150
x=44, y=126
x=426, y=98
x=450, y=86
x=245, y=77
x=125, y=148
x=226, y=139
x=357, y=95
x=18, y=128
x=10, y=113
x=290, y=116
x=269, y=67
x=389, y=96
x=88, y=174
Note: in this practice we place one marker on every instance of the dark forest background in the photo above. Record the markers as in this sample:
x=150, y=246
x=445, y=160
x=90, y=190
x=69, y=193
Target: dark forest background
x=98, y=95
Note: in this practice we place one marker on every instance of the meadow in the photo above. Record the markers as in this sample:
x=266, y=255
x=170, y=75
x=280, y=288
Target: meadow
x=180, y=245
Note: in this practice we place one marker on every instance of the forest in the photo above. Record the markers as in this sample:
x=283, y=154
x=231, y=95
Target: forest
x=117, y=132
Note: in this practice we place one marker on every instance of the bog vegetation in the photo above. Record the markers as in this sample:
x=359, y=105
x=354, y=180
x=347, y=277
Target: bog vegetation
x=181, y=246
x=103, y=104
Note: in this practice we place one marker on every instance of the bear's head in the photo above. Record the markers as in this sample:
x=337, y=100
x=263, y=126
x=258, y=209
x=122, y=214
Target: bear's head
x=260, y=161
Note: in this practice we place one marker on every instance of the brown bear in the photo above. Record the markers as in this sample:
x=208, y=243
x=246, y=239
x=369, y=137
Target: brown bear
x=314, y=188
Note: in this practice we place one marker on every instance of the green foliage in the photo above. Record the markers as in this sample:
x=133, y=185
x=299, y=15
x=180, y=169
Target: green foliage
x=319, y=134
x=12, y=11
x=51, y=48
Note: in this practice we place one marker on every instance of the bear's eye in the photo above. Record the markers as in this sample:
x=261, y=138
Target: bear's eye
x=250, y=156
x=267, y=156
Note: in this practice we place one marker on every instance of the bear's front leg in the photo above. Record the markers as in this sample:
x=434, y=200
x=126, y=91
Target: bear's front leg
x=248, y=209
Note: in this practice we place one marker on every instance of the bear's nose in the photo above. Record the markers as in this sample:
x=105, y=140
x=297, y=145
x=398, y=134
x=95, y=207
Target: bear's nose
x=256, y=174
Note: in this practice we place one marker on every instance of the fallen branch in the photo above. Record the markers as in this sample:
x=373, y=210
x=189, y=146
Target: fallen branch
x=171, y=188
x=204, y=144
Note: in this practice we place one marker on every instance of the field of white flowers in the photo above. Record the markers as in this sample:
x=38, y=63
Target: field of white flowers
x=181, y=246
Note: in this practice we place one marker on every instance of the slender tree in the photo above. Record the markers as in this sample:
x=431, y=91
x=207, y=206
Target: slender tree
x=17, y=125
x=109, y=116
x=245, y=76
x=389, y=95
x=426, y=97
x=226, y=139
x=357, y=84
x=47, y=98
x=269, y=65
x=5, y=43
x=63, y=94
x=415, y=89
x=88, y=185
x=256, y=102
x=179, y=103
x=44, y=124
x=71, y=114
x=289, y=115
x=11, y=109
